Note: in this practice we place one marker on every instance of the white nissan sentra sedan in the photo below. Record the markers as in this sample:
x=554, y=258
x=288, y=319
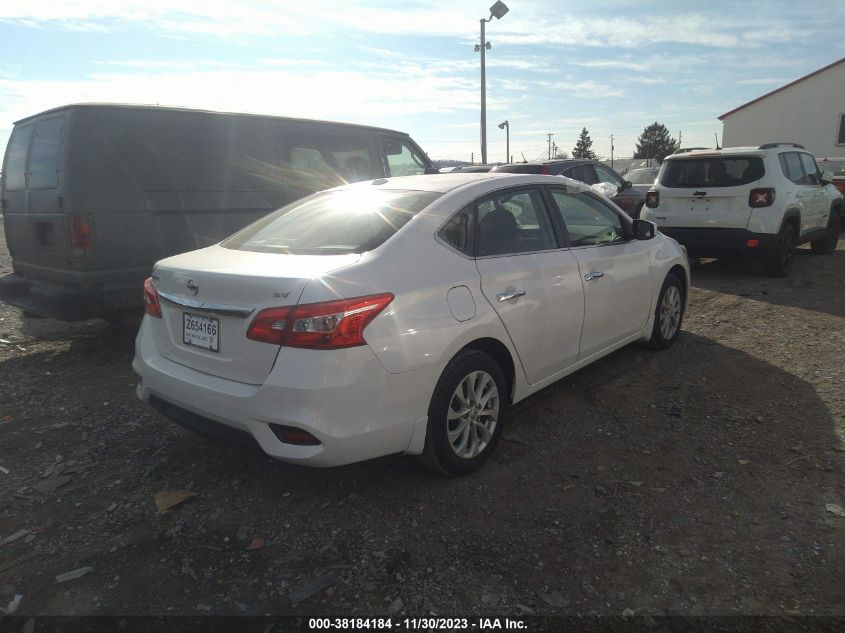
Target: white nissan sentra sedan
x=402, y=315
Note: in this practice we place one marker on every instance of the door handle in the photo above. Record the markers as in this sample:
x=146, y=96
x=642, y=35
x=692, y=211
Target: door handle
x=660, y=217
x=508, y=295
x=593, y=275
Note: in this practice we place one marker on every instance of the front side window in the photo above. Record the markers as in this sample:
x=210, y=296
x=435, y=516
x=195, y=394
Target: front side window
x=402, y=158
x=514, y=222
x=810, y=169
x=712, y=172
x=44, y=156
x=318, y=159
x=588, y=221
x=790, y=165
x=15, y=167
x=581, y=173
x=606, y=175
x=333, y=223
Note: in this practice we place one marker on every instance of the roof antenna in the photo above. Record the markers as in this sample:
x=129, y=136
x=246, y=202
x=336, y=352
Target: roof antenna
x=524, y=160
x=717, y=140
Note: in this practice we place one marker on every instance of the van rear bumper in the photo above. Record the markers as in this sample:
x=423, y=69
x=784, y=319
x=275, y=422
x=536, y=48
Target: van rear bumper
x=67, y=304
x=711, y=241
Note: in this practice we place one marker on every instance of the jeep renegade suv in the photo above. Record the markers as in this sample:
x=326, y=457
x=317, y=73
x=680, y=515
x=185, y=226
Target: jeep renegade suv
x=757, y=200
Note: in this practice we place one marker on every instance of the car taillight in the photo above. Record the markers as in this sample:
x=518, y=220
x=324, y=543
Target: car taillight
x=81, y=234
x=545, y=170
x=325, y=325
x=652, y=199
x=840, y=186
x=151, y=302
x=761, y=197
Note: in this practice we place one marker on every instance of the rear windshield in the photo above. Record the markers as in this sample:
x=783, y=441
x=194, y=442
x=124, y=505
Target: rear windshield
x=333, y=223
x=712, y=172
x=519, y=169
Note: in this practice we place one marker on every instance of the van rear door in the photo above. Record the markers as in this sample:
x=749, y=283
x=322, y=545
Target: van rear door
x=36, y=230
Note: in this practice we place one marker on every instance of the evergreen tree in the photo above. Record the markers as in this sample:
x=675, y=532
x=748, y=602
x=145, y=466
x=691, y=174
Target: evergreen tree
x=584, y=147
x=655, y=142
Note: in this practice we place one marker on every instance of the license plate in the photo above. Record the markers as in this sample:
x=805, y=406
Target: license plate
x=201, y=331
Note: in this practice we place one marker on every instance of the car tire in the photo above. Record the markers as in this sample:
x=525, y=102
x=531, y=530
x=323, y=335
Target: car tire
x=779, y=262
x=827, y=244
x=458, y=444
x=668, y=314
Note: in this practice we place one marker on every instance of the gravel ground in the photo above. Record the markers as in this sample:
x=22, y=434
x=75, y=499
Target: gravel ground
x=691, y=481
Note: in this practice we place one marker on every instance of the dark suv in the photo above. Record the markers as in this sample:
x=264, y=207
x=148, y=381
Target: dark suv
x=630, y=198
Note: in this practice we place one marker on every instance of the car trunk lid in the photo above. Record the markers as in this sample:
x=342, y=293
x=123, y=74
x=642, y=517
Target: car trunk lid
x=210, y=297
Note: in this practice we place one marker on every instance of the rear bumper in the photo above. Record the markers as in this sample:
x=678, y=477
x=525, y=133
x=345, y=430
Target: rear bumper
x=68, y=303
x=352, y=405
x=716, y=241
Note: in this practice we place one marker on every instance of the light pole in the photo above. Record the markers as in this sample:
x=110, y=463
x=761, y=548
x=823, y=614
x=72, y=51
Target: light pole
x=507, y=128
x=498, y=10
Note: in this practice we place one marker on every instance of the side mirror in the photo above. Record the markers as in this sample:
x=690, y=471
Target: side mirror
x=644, y=230
x=626, y=184
x=827, y=177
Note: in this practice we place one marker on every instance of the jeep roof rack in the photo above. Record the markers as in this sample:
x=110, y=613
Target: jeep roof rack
x=684, y=150
x=779, y=144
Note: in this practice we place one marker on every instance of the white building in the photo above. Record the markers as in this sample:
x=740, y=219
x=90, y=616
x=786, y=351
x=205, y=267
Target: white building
x=809, y=111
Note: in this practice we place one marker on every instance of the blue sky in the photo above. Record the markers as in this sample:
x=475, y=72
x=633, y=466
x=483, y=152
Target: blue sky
x=610, y=66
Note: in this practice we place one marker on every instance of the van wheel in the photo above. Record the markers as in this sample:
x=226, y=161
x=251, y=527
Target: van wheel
x=465, y=415
x=669, y=313
x=827, y=244
x=779, y=263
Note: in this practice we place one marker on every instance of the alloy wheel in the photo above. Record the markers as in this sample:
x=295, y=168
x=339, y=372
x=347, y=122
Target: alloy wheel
x=670, y=312
x=473, y=414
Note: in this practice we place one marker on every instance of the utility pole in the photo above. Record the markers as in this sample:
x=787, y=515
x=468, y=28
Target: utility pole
x=472, y=158
x=680, y=138
x=611, y=151
x=550, y=135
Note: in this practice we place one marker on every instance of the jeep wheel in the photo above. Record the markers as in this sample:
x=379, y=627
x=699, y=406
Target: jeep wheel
x=827, y=244
x=779, y=263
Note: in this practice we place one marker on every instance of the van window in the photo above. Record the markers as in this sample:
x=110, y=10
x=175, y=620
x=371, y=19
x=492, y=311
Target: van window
x=333, y=222
x=712, y=172
x=402, y=158
x=15, y=168
x=325, y=158
x=44, y=156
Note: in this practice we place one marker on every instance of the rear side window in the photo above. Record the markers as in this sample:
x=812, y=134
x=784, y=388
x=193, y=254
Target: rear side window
x=333, y=223
x=44, y=156
x=459, y=231
x=712, y=172
x=514, y=222
x=790, y=165
x=810, y=168
x=402, y=158
x=14, y=170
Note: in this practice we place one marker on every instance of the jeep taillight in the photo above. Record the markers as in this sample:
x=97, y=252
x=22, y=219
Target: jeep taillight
x=324, y=325
x=761, y=197
x=652, y=199
x=151, y=301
